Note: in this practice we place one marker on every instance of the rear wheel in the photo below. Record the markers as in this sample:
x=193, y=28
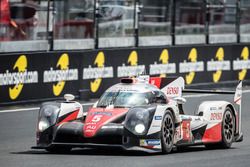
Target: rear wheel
x=228, y=126
x=167, y=132
x=227, y=131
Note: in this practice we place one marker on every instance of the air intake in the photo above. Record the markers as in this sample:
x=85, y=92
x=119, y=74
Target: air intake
x=127, y=80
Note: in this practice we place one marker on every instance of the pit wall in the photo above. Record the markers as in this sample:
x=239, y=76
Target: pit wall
x=26, y=77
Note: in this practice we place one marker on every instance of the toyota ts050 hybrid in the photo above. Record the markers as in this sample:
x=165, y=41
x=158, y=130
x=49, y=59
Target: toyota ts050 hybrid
x=137, y=114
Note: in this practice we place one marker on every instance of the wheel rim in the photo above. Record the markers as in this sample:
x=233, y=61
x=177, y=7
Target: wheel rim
x=168, y=130
x=228, y=126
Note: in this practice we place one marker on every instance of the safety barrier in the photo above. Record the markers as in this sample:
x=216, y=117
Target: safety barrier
x=49, y=75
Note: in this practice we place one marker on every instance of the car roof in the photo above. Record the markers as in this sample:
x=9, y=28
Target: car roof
x=133, y=87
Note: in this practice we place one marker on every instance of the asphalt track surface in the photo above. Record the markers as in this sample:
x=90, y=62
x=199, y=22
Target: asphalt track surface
x=17, y=135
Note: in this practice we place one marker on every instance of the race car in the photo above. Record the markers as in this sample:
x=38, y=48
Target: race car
x=138, y=114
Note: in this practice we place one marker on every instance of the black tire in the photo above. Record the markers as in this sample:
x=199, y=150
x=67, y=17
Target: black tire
x=167, y=132
x=227, y=131
x=58, y=149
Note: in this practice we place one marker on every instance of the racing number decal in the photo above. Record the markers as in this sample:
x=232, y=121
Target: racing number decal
x=96, y=118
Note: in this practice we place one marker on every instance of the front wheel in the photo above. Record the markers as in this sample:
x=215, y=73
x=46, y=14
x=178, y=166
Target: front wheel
x=167, y=132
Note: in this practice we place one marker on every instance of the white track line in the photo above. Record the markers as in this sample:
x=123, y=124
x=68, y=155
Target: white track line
x=88, y=104
x=33, y=108
x=19, y=109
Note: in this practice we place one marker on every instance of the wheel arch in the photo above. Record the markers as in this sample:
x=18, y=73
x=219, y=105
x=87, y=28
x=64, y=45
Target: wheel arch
x=234, y=114
x=172, y=112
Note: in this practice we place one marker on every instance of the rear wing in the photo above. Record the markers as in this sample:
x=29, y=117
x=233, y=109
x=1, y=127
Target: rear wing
x=174, y=87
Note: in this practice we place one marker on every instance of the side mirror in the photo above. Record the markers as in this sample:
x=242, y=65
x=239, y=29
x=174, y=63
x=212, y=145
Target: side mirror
x=180, y=100
x=69, y=97
x=160, y=99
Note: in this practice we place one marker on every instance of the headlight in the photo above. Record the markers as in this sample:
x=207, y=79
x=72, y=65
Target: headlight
x=47, y=117
x=138, y=119
x=139, y=128
x=139, y=115
x=43, y=125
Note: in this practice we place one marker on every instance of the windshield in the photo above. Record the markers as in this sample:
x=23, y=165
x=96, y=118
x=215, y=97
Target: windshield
x=123, y=99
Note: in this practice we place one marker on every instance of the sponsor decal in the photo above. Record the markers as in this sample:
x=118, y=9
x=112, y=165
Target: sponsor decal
x=173, y=90
x=186, y=130
x=98, y=72
x=191, y=67
x=216, y=116
x=243, y=64
x=60, y=75
x=133, y=69
x=238, y=94
x=19, y=78
x=102, y=113
x=213, y=108
x=218, y=65
x=178, y=134
x=150, y=142
x=185, y=117
x=90, y=127
x=158, y=117
x=164, y=68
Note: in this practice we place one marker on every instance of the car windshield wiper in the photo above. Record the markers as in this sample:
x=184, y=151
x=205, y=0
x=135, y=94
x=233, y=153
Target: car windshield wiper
x=102, y=105
x=114, y=98
x=120, y=106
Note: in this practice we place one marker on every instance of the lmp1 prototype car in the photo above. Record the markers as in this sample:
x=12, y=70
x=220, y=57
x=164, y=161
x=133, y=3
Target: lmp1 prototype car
x=137, y=115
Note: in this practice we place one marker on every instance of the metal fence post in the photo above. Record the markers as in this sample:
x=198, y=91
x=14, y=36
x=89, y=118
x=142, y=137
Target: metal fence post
x=96, y=23
x=207, y=21
x=238, y=17
x=173, y=10
x=136, y=21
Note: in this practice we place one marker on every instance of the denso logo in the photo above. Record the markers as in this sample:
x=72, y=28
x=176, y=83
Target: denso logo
x=216, y=116
x=172, y=90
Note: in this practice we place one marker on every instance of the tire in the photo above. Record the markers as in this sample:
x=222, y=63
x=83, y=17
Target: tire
x=58, y=149
x=227, y=131
x=167, y=132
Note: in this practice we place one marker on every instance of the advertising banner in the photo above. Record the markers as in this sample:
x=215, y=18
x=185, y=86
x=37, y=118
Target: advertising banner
x=38, y=76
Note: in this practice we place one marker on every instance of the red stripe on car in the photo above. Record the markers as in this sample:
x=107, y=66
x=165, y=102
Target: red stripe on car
x=71, y=117
x=212, y=134
x=97, y=117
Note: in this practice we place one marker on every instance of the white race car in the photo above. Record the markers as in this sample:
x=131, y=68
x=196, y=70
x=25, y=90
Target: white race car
x=137, y=115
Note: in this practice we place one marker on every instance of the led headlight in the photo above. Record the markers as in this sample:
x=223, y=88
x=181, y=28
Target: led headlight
x=43, y=125
x=137, y=120
x=140, y=115
x=139, y=128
